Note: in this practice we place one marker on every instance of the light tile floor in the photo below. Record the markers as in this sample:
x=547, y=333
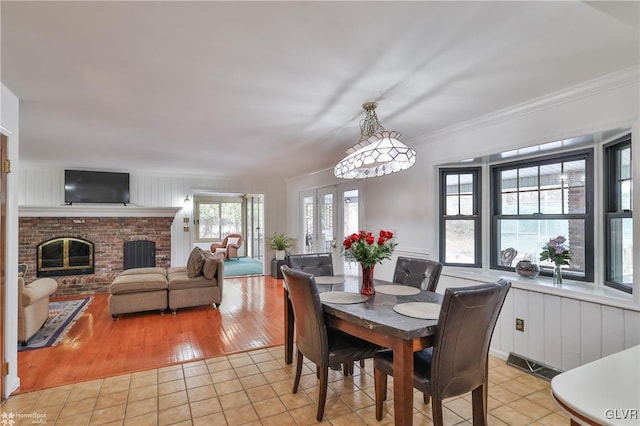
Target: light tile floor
x=254, y=388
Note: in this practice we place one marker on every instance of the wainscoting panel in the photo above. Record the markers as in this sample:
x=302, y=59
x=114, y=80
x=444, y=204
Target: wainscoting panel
x=560, y=332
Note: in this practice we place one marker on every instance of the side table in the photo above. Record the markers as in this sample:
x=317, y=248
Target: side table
x=275, y=268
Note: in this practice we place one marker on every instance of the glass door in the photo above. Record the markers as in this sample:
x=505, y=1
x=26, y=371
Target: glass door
x=351, y=225
x=318, y=220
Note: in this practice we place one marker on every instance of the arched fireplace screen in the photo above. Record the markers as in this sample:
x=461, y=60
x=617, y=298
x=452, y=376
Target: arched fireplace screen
x=65, y=256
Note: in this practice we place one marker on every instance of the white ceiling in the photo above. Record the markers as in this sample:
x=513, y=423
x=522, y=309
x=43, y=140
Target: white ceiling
x=275, y=88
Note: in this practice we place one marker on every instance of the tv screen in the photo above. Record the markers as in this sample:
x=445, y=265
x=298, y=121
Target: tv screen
x=95, y=187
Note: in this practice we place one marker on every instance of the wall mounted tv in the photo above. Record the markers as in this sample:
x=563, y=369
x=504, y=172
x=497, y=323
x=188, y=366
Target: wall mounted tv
x=82, y=186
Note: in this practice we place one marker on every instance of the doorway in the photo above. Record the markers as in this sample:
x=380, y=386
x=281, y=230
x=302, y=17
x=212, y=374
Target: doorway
x=3, y=242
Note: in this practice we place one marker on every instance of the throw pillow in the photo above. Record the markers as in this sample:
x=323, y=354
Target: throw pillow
x=210, y=265
x=195, y=263
x=233, y=241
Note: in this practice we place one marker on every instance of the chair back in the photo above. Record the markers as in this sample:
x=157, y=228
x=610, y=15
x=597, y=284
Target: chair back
x=318, y=264
x=420, y=273
x=311, y=330
x=467, y=319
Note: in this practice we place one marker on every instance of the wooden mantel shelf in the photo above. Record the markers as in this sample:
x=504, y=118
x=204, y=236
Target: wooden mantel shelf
x=97, y=210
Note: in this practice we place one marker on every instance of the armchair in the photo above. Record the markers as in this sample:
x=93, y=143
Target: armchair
x=33, y=305
x=229, y=246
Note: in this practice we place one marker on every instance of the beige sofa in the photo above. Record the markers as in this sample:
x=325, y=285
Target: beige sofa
x=147, y=289
x=33, y=305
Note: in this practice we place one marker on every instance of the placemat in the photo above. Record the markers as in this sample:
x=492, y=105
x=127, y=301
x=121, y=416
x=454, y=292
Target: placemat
x=422, y=310
x=329, y=280
x=397, y=289
x=342, y=297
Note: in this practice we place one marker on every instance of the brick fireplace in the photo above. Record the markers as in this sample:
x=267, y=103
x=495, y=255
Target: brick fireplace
x=108, y=234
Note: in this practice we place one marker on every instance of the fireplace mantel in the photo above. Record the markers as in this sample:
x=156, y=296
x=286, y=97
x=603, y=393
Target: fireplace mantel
x=98, y=210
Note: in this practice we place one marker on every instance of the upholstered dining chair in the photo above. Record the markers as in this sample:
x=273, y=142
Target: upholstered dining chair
x=323, y=345
x=421, y=273
x=318, y=264
x=457, y=362
x=229, y=246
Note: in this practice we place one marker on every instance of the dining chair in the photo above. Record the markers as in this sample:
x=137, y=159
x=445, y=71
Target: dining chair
x=457, y=362
x=420, y=273
x=318, y=264
x=323, y=345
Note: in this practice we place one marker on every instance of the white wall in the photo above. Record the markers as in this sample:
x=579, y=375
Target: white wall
x=9, y=122
x=407, y=203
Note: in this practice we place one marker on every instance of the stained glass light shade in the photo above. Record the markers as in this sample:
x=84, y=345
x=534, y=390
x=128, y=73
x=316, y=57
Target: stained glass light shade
x=380, y=154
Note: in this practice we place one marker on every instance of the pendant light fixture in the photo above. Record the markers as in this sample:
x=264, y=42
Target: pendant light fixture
x=378, y=153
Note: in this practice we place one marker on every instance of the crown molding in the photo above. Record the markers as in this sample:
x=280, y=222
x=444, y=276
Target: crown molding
x=622, y=78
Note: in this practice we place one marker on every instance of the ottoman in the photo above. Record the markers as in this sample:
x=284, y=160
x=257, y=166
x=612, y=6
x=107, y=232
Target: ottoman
x=137, y=290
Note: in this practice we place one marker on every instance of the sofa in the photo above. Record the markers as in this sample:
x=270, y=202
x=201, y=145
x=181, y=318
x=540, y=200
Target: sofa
x=33, y=305
x=147, y=289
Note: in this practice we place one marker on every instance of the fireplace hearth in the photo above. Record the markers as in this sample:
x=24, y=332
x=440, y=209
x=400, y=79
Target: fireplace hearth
x=65, y=256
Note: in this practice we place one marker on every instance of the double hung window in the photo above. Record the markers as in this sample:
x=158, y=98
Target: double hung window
x=460, y=219
x=618, y=219
x=537, y=199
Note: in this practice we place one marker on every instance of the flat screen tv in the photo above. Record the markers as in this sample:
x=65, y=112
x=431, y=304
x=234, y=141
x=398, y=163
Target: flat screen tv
x=82, y=186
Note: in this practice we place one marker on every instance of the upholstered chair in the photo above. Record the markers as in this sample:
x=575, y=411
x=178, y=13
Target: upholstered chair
x=318, y=264
x=324, y=346
x=229, y=246
x=33, y=305
x=420, y=273
x=457, y=362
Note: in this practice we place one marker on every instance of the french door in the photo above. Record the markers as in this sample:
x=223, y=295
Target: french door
x=327, y=216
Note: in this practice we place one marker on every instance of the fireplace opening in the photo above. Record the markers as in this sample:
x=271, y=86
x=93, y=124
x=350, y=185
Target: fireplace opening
x=65, y=256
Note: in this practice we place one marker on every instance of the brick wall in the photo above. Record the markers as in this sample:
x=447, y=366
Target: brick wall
x=108, y=235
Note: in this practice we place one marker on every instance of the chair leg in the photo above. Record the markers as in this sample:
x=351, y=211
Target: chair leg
x=380, y=381
x=426, y=398
x=362, y=363
x=322, y=397
x=479, y=408
x=436, y=410
x=296, y=382
x=345, y=369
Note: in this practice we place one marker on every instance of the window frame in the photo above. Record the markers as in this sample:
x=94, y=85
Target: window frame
x=219, y=203
x=588, y=217
x=612, y=208
x=476, y=217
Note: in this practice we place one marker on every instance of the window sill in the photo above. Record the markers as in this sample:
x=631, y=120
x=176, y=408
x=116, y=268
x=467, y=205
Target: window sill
x=578, y=290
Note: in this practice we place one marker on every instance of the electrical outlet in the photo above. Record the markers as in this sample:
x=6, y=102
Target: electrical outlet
x=519, y=324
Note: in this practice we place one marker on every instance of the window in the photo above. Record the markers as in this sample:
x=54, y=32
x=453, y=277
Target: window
x=618, y=221
x=215, y=219
x=538, y=199
x=460, y=228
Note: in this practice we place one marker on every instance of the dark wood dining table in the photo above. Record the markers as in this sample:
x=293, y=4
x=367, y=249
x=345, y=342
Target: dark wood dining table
x=375, y=321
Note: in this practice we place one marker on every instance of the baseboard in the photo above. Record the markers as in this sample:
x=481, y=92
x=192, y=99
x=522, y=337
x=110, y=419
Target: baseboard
x=533, y=367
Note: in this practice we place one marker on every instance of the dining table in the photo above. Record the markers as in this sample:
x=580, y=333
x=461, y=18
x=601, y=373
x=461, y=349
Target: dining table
x=374, y=319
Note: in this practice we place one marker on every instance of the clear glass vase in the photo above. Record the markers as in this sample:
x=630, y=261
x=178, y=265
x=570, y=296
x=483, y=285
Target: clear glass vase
x=557, y=275
x=367, y=281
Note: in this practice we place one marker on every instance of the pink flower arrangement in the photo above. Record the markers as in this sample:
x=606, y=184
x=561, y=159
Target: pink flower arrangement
x=369, y=249
x=556, y=251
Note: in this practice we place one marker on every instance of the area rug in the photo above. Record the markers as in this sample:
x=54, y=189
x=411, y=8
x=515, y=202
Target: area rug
x=242, y=267
x=62, y=315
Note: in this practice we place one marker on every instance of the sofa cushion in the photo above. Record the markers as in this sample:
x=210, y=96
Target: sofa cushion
x=138, y=283
x=233, y=241
x=195, y=262
x=176, y=269
x=148, y=270
x=210, y=265
x=180, y=280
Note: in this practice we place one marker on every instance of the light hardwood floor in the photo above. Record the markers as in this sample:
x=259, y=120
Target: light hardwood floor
x=201, y=367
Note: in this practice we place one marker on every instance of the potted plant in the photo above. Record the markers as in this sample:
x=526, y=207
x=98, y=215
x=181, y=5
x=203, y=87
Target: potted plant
x=280, y=242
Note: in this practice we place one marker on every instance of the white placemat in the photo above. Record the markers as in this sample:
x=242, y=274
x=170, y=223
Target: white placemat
x=342, y=297
x=422, y=310
x=329, y=280
x=397, y=289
